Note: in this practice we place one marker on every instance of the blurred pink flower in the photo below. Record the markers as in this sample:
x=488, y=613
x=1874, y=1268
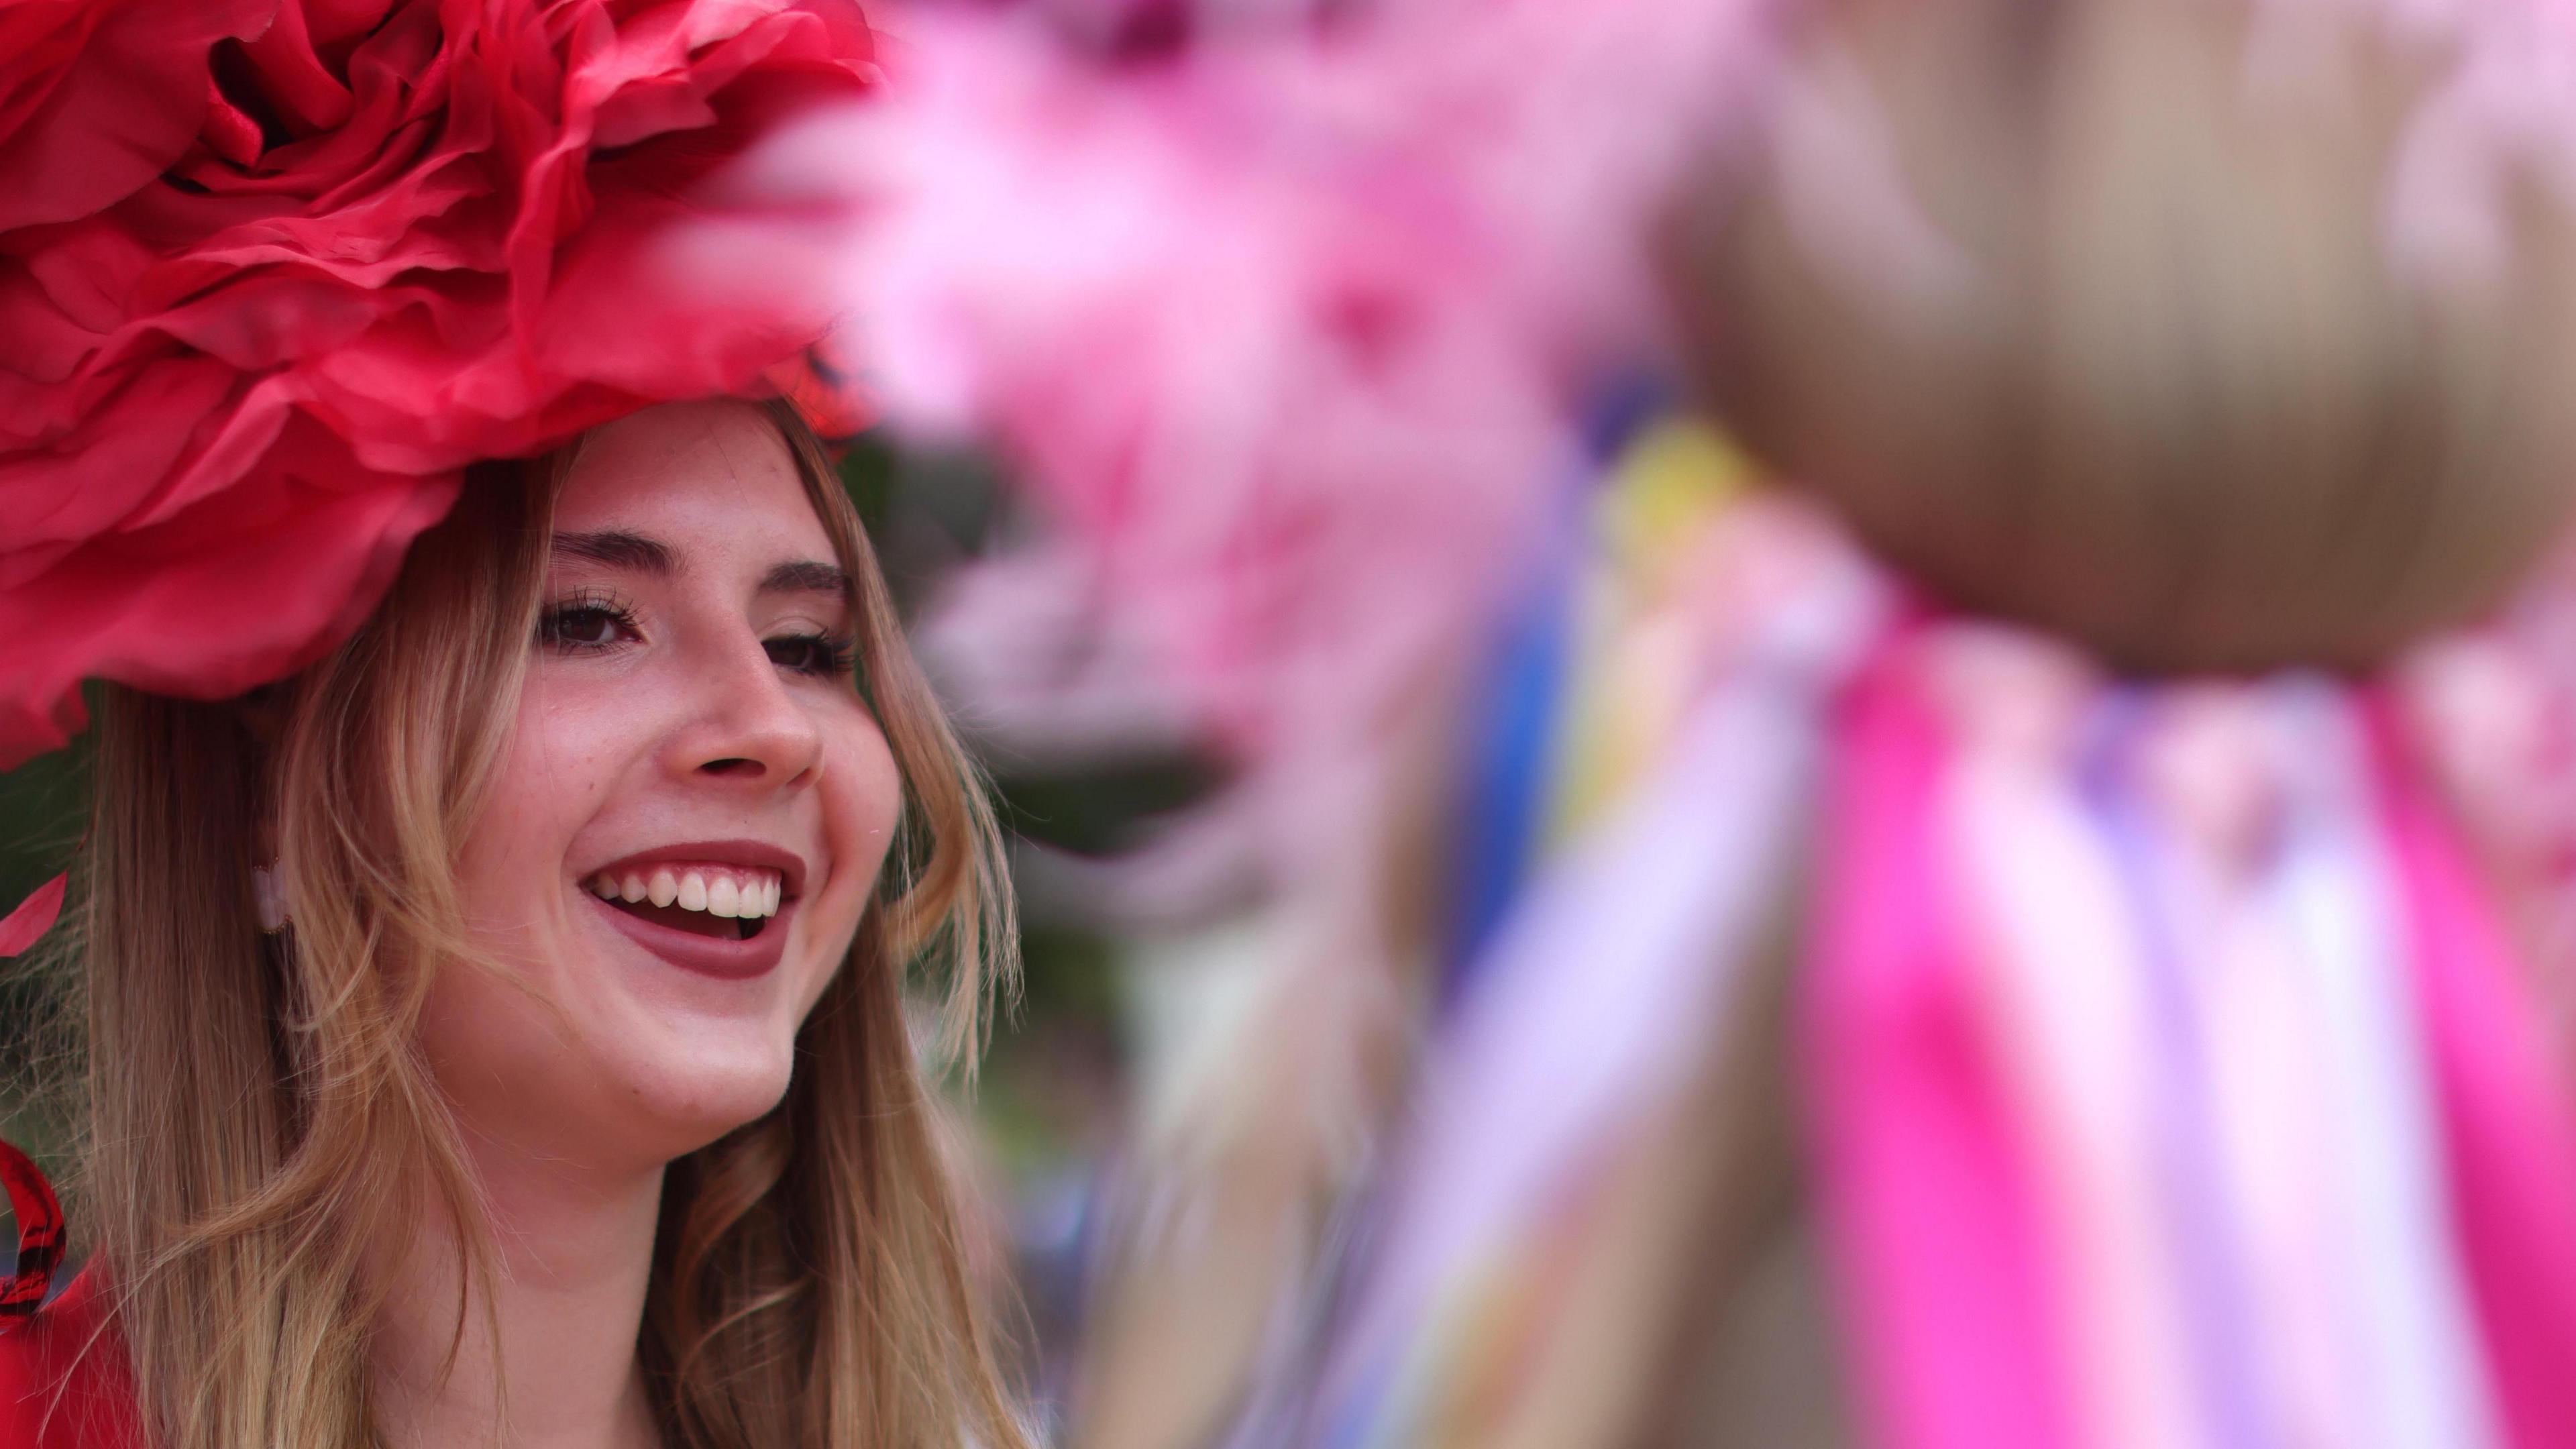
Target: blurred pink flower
x=1292, y=334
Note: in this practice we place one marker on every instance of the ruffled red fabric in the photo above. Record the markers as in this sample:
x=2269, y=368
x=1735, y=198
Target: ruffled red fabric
x=272, y=273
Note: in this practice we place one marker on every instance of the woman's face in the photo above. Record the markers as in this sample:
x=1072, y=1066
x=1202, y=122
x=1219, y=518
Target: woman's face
x=691, y=815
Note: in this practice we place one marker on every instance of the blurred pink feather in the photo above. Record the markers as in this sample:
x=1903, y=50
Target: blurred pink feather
x=1290, y=327
x=1291, y=334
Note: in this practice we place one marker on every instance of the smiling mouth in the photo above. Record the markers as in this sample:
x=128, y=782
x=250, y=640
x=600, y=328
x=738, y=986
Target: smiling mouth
x=726, y=904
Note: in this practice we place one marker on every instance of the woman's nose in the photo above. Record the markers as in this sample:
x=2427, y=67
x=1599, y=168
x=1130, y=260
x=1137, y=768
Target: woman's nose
x=750, y=725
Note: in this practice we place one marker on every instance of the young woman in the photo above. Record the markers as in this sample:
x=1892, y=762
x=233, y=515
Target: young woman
x=503, y=875
x=570, y=1096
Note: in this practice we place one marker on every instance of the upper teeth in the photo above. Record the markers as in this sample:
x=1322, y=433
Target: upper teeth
x=718, y=892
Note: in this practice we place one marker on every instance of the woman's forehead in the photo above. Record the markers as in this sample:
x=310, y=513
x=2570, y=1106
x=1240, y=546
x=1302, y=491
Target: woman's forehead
x=697, y=476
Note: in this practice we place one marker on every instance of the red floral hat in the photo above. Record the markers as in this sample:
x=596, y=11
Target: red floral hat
x=272, y=272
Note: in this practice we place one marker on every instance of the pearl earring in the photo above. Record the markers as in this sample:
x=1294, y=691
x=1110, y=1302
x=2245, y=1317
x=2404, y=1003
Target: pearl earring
x=271, y=897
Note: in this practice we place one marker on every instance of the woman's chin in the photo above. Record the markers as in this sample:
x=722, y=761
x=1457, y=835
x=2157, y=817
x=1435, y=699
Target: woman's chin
x=677, y=1107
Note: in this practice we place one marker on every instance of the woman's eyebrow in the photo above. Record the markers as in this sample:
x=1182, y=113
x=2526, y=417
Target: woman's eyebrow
x=806, y=576
x=618, y=549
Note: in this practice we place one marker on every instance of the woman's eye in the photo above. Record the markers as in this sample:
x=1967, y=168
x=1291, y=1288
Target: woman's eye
x=809, y=654
x=584, y=626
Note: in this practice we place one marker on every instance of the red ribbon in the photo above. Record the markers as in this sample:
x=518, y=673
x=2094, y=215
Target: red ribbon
x=40, y=1234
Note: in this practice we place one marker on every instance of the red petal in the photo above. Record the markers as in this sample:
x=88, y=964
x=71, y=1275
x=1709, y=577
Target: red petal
x=35, y=915
x=229, y=133
x=125, y=107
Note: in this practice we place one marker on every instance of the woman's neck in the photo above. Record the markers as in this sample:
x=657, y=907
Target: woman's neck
x=574, y=1254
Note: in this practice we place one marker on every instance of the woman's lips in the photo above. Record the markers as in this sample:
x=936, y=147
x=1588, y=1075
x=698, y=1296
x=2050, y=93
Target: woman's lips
x=727, y=958
x=745, y=890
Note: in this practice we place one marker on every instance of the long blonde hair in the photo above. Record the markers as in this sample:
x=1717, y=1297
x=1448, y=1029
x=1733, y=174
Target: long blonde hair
x=260, y=1113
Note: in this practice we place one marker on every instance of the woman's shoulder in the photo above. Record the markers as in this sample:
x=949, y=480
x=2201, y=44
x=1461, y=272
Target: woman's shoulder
x=63, y=1380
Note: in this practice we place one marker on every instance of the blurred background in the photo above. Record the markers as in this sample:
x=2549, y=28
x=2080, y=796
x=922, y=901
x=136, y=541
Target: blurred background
x=1736, y=724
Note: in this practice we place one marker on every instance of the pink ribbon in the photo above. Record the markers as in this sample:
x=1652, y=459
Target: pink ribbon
x=2504, y=1114
x=1930, y=1214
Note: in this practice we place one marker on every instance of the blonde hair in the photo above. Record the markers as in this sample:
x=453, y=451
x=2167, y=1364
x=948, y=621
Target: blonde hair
x=2091, y=313
x=260, y=1112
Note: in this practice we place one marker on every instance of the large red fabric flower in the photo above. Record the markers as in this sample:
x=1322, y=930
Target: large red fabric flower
x=273, y=271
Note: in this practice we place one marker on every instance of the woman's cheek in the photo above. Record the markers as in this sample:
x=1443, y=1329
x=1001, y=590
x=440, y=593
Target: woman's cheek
x=871, y=798
x=579, y=728
x=862, y=795
x=514, y=867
